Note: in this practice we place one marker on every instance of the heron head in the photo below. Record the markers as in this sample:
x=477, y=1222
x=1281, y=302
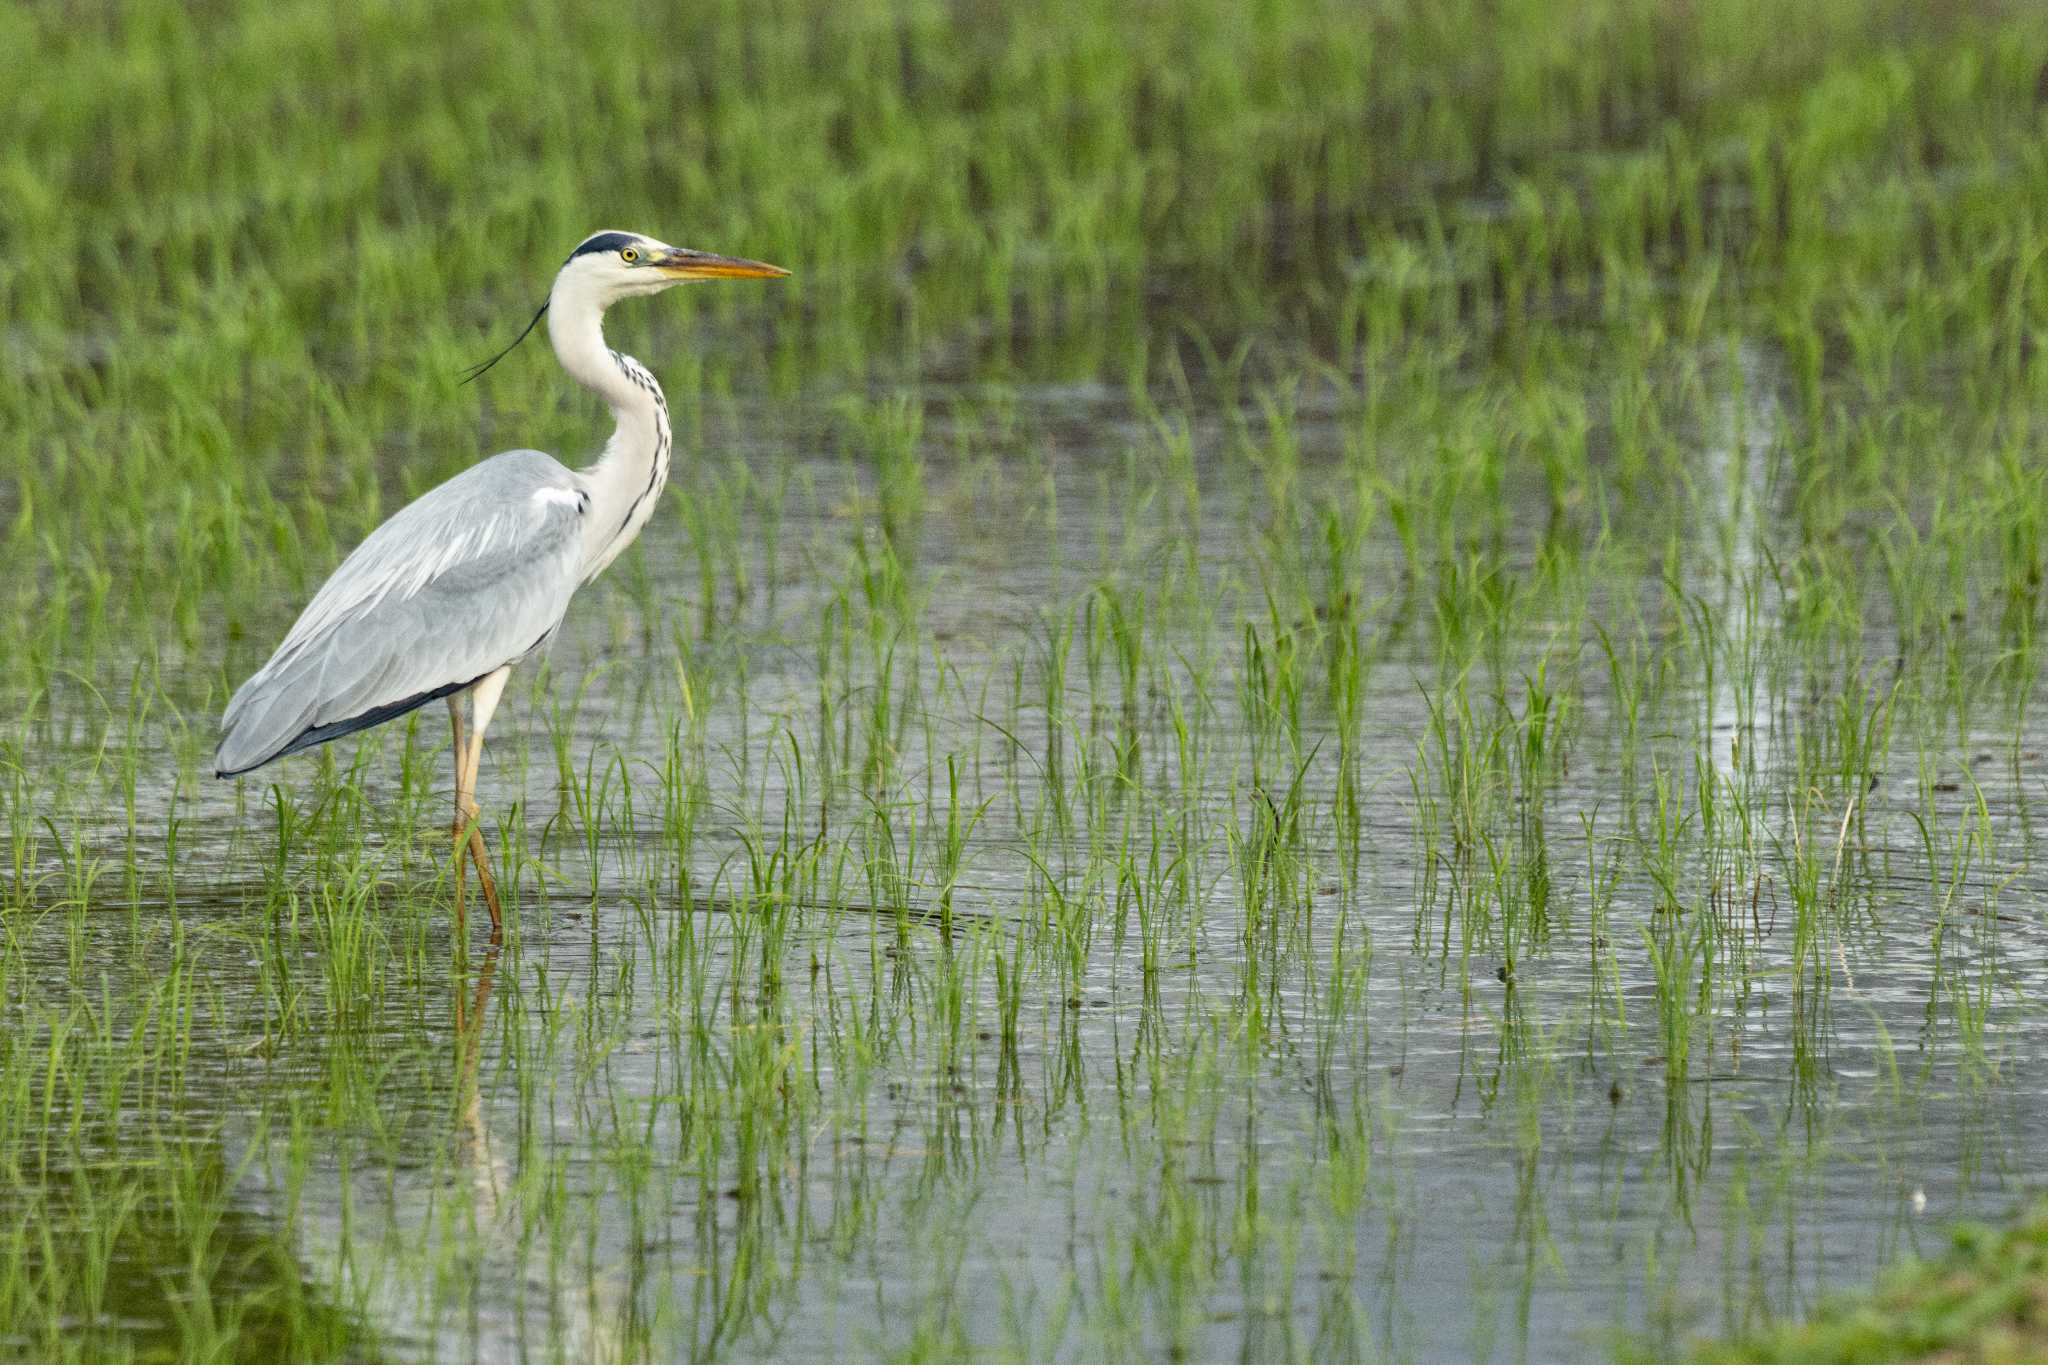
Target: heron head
x=624, y=265
x=608, y=266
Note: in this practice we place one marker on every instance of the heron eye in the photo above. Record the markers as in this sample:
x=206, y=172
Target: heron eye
x=629, y=255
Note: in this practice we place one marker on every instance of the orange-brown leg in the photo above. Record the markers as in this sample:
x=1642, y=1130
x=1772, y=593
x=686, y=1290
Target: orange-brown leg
x=461, y=827
x=469, y=752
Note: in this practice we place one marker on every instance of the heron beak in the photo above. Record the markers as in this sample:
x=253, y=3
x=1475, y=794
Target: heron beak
x=684, y=264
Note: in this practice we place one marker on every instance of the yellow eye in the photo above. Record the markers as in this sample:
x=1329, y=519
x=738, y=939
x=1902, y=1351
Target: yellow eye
x=629, y=255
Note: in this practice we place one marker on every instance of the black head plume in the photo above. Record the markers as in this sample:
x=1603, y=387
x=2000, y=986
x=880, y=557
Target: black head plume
x=473, y=371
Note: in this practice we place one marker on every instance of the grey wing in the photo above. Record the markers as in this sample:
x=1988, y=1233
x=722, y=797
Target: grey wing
x=469, y=577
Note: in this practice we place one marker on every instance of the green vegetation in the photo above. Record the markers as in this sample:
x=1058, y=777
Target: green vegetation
x=1983, y=1300
x=1338, y=681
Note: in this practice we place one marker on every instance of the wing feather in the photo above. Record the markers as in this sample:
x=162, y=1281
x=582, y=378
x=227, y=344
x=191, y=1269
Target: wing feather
x=469, y=577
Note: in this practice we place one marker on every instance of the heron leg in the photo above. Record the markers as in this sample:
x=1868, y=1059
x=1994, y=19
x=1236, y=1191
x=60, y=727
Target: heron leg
x=462, y=800
x=483, y=701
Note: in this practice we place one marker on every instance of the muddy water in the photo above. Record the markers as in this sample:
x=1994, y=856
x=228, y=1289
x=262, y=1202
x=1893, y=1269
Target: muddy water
x=671, y=1121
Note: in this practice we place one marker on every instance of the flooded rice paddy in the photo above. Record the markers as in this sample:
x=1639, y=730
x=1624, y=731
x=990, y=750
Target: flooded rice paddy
x=1256, y=870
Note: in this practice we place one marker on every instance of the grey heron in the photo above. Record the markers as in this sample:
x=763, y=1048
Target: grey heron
x=474, y=576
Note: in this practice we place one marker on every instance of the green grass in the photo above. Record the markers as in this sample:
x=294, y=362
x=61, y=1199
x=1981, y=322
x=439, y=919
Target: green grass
x=1979, y=1300
x=1336, y=682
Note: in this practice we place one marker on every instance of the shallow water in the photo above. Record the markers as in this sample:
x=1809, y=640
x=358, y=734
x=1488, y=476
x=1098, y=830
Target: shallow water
x=735, y=1090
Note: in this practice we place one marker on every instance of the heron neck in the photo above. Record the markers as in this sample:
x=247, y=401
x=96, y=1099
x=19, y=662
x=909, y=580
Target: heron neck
x=626, y=481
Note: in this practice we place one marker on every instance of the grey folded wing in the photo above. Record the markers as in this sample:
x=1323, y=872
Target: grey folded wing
x=469, y=577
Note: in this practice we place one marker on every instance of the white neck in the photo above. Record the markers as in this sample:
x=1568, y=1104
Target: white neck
x=627, y=479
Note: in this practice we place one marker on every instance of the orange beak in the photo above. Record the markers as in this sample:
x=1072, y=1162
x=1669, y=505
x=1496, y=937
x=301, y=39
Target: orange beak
x=684, y=264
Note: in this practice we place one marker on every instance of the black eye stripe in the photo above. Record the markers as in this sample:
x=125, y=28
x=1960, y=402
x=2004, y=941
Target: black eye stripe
x=606, y=241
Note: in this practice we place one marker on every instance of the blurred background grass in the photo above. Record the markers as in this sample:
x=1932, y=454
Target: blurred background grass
x=244, y=248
